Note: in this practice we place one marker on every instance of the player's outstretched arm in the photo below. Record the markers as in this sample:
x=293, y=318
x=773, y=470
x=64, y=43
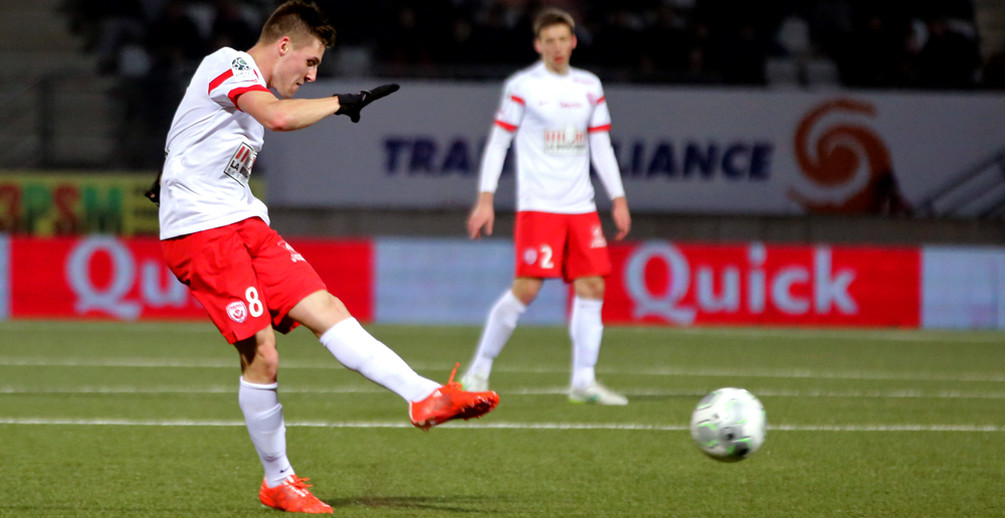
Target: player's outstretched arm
x=482, y=216
x=285, y=114
x=352, y=104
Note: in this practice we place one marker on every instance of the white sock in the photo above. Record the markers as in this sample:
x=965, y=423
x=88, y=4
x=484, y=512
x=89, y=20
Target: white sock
x=586, y=330
x=264, y=418
x=499, y=326
x=358, y=350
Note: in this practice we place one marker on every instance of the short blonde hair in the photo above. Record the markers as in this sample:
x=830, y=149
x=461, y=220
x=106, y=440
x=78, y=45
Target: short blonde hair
x=552, y=16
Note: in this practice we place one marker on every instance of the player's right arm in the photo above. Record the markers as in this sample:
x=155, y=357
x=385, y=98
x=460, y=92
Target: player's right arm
x=286, y=114
x=507, y=120
x=493, y=157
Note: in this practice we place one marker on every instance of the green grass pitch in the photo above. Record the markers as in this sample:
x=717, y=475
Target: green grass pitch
x=141, y=419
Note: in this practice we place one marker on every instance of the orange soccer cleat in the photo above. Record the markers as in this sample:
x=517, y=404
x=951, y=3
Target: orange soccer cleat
x=451, y=401
x=293, y=496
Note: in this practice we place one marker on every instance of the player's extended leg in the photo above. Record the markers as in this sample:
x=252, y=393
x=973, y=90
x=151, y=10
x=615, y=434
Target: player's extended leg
x=345, y=338
x=586, y=329
x=429, y=402
x=499, y=326
x=263, y=415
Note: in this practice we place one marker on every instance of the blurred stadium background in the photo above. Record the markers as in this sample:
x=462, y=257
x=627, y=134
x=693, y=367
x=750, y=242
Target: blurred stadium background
x=721, y=112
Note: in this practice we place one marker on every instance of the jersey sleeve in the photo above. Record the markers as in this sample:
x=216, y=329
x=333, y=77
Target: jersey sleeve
x=605, y=163
x=600, y=120
x=511, y=108
x=238, y=78
x=493, y=159
x=505, y=124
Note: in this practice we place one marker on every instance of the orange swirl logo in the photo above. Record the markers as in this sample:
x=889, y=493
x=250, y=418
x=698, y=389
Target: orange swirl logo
x=846, y=164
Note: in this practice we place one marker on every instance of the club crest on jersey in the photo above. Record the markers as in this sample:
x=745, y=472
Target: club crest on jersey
x=237, y=311
x=294, y=255
x=565, y=141
x=530, y=256
x=241, y=69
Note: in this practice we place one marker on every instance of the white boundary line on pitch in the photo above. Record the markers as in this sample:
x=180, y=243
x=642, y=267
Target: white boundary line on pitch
x=500, y=426
x=897, y=335
x=544, y=391
x=156, y=363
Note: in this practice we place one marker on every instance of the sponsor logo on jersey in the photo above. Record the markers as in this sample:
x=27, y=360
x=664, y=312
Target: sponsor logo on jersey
x=565, y=141
x=239, y=166
x=237, y=311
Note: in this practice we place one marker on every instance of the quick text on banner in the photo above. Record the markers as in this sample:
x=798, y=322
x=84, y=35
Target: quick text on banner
x=113, y=298
x=828, y=289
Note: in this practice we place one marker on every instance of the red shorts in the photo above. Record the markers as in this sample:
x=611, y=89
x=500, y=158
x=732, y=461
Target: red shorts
x=244, y=274
x=567, y=245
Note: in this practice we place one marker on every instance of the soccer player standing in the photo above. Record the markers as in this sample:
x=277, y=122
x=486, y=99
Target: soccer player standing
x=216, y=238
x=560, y=121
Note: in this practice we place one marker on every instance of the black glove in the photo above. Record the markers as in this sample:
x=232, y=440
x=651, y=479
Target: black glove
x=154, y=192
x=351, y=104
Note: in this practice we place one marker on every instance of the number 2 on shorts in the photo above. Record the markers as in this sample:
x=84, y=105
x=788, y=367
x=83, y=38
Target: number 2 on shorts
x=546, y=255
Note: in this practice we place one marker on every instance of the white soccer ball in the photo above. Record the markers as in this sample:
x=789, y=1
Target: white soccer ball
x=729, y=424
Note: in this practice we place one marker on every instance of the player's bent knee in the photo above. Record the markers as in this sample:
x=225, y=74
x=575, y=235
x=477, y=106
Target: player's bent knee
x=319, y=311
x=590, y=287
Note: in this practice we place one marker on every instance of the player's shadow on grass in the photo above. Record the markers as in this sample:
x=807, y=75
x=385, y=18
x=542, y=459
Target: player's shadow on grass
x=419, y=503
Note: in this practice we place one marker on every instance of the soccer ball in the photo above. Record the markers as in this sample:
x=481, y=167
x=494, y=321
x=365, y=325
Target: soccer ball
x=729, y=424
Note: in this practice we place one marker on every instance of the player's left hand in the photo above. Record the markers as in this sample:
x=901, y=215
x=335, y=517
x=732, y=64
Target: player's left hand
x=622, y=218
x=352, y=104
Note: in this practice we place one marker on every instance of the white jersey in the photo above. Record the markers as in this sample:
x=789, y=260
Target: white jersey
x=553, y=118
x=211, y=149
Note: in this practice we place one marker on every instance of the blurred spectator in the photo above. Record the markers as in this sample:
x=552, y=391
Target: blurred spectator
x=948, y=59
x=874, y=44
x=875, y=54
x=665, y=45
x=831, y=27
x=618, y=44
x=106, y=26
x=404, y=40
x=174, y=40
x=702, y=56
x=494, y=37
x=994, y=70
x=744, y=56
x=231, y=27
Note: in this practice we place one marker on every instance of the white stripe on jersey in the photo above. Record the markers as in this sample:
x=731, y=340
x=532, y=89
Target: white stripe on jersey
x=211, y=149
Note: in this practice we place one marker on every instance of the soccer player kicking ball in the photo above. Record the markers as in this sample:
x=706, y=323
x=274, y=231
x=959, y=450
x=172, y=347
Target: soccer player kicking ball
x=216, y=238
x=560, y=121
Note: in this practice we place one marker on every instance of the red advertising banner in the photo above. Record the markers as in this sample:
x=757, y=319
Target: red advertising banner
x=126, y=279
x=754, y=284
x=347, y=267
